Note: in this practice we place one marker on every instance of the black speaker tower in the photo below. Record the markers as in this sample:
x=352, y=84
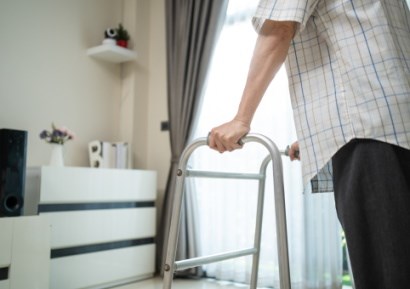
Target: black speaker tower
x=13, y=147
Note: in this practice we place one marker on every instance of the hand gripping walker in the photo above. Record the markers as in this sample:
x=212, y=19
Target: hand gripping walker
x=172, y=266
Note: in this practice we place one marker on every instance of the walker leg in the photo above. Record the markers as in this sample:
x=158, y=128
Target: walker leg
x=169, y=266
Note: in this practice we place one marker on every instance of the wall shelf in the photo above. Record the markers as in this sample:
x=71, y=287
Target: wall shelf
x=112, y=53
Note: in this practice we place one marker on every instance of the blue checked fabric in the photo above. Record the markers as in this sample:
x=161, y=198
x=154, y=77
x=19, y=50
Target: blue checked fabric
x=349, y=75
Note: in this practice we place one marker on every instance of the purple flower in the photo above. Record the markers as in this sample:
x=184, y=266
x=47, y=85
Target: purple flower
x=57, y=135
x=44, y=134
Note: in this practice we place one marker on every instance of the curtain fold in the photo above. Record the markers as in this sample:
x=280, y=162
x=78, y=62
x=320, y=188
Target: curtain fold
x=192, y=27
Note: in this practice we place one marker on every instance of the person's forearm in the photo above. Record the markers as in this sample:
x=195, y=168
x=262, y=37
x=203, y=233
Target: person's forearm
x=270, y=52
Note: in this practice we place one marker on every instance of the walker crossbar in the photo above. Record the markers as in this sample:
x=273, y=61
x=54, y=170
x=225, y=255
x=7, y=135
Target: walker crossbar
x=198, y=261
x=172, y=266
x=223, y=175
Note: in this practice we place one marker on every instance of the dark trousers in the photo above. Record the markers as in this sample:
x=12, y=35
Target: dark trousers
x=372, y=194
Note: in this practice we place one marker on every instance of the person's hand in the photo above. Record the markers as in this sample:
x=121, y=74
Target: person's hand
x=294, y=153
x=226, y=136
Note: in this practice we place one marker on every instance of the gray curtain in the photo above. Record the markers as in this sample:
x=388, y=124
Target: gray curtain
x=192, y=27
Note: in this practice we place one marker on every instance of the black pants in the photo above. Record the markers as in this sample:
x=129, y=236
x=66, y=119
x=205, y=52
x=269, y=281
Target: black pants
x=372, y=194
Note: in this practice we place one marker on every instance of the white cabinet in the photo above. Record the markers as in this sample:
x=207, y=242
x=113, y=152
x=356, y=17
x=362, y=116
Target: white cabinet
x=24, y=253
x=102, y=223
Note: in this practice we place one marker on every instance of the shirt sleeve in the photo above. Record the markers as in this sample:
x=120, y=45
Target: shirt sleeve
x=284, y=10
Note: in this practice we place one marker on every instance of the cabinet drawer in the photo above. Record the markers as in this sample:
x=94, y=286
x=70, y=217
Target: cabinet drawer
x=79, y=185
x=107, y=267
x=100, y=226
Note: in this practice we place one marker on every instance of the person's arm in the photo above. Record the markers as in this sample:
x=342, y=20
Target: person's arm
x=269, y=54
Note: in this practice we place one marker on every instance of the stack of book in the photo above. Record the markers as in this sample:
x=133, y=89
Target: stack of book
x=109, y=154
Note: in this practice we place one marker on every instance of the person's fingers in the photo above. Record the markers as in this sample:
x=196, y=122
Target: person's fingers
x=214, y=141
x=234, y=147
x=210, y=141
x=294, y=152
x=220, y=146
x=232, y=142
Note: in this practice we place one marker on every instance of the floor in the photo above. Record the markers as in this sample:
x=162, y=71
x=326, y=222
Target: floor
x=156, y=283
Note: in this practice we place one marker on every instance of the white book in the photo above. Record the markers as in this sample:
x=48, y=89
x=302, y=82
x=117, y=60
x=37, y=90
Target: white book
x=95, y=154
x=121, y=155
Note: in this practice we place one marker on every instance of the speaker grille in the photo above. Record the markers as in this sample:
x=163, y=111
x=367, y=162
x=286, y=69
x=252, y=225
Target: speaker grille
x=13, y=146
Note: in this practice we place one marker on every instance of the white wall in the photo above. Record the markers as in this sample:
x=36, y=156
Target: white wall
x=46, y=76
x=159, y=155
x=146, y=79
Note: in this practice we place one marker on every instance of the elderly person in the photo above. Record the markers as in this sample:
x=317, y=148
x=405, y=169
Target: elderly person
x=348, y=64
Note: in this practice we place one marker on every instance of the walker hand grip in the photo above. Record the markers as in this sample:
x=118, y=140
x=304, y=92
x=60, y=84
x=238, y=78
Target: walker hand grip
x=241, y=142
x=287, y=150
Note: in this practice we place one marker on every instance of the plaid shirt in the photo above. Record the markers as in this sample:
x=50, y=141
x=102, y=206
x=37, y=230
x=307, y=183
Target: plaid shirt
x=349, y=75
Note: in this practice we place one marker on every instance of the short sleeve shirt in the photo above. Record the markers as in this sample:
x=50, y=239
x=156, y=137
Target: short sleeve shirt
x=349, y=75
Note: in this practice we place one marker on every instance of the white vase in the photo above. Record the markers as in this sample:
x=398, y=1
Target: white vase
x=57, y=157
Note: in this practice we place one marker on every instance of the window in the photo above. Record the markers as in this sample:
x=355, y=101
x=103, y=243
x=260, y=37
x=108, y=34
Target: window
x=227, y=208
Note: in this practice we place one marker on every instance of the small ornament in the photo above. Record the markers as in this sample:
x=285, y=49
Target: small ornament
x=110, y=35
